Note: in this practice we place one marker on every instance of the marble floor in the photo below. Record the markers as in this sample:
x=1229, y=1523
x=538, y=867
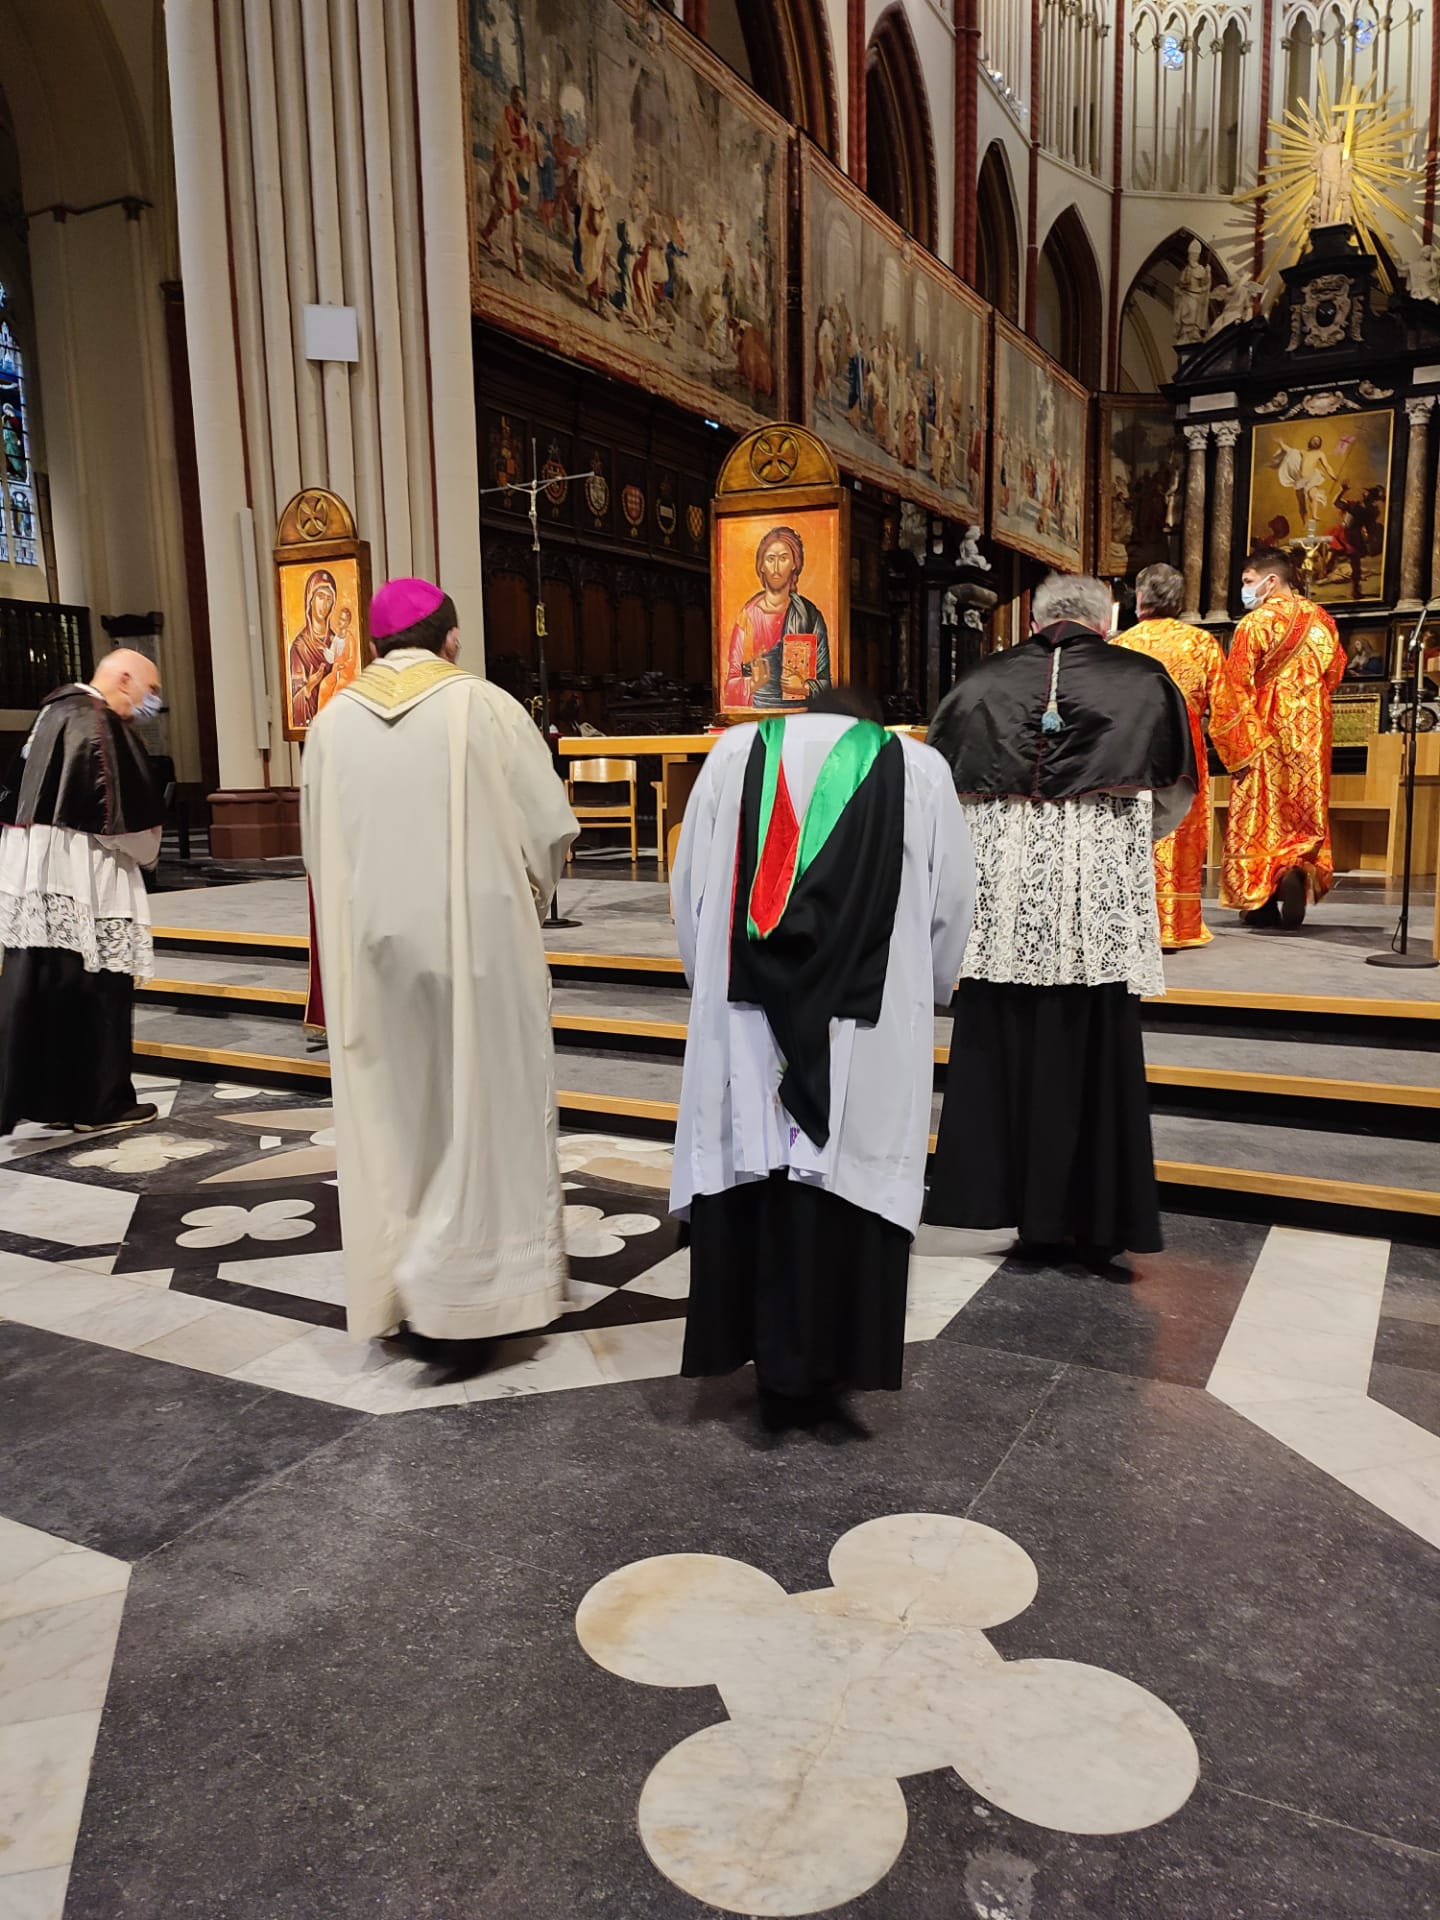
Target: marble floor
x=1124, y=1609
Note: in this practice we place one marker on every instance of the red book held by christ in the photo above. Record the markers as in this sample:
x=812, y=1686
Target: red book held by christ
x=800, y=649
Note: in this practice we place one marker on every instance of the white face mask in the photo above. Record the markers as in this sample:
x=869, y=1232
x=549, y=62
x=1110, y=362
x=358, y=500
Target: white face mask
x=147, y=706
x=1251, y=596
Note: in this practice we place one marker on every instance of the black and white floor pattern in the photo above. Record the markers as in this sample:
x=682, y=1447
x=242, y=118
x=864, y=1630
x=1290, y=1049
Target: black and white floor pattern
x=267, y=1656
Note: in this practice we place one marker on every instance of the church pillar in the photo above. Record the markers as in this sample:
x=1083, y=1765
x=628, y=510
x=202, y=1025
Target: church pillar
x=308, y=175
x=1412, y=535
x=1222, y=520
x=855, y=89
x=1195, y=438
x=967, y=86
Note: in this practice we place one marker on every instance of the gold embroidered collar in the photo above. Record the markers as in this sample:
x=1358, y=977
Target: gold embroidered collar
x=391, y=691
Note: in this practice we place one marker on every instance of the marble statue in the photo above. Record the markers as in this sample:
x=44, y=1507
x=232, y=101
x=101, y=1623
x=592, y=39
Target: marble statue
x=1242, y=302
x=970, y=554
x=1333, y=205
x=1422, y=275
x=1194, y=297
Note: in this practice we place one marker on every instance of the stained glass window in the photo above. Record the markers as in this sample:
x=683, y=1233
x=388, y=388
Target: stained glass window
x=17, y=502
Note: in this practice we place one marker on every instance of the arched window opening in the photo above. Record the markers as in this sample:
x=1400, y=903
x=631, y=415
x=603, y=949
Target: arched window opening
x=1004, y=36
x=1147, y=318
x=1071, y=37
x=899, y=151
x=1145, y=100
x=19, y=539
x=1069, y=301
x=1340, y=48
x=1363, y=43
x=1187, y=132
x=1232, y=48
x=781, y=48
x=997, y=235
x=1300, y=62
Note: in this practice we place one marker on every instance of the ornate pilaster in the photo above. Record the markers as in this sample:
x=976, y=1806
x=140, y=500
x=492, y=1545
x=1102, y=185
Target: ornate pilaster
x=1412, y=531
x=1196, y=436
x=1222, y=520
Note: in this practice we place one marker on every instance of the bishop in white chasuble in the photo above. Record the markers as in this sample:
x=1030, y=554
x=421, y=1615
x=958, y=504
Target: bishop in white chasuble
x=435, y=829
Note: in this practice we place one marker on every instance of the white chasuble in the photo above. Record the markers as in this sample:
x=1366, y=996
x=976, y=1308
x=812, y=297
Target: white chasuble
x=435, y=830
x=732, y=1125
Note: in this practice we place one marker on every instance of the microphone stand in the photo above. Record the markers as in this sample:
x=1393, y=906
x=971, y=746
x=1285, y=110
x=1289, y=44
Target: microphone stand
x=534, y=487
x=1399, y=954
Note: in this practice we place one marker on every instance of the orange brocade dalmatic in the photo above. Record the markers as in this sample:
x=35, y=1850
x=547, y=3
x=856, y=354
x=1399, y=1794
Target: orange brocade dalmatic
x=1289, y=658
x=1196, y=663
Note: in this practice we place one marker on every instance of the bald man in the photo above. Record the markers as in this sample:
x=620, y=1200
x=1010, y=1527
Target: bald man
x=74, y=917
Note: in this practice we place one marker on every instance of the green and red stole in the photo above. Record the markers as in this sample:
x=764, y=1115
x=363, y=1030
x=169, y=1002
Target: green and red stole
x=815, y=899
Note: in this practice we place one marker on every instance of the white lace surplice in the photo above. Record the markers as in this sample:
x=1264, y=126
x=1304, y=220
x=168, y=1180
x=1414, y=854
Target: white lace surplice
x=81, y=893
x=1065, y=893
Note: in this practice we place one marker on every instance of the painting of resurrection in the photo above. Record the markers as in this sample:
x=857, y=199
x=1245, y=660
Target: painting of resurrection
x=1325, y=481
x=895, y=352
x=1040, y=453
x=627, y=201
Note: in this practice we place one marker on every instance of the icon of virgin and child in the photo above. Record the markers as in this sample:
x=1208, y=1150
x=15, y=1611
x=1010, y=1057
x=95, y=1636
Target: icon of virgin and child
x=779, y=652
x=323, y=655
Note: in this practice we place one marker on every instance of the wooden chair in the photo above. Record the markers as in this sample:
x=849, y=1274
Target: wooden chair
x=657, y=787
x=606, y=773
x=672, y=842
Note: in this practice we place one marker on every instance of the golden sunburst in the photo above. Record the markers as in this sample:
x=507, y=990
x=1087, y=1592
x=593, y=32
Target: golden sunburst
x=1333, y=163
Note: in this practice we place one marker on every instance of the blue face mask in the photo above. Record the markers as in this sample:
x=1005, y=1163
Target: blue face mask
x=1250, y=597
x=147, y=707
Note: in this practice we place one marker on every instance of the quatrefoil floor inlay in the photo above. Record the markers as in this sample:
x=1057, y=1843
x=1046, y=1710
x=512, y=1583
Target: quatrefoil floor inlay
x=793, y=1805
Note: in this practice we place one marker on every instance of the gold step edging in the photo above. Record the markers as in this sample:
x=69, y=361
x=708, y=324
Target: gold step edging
x=230, y=937
x=1219, y=999
x=1298, y=1186
x=163, y=989
x=1179, y=1173
x=1378, y=1093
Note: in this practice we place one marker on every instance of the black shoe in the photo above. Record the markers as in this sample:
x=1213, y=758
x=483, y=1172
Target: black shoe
x=787, y=1412
x=1266, y=916
x=463, y=1360
x=139, y=1116
x=1292, y=896
x=839, y=1422
x=456, y=1360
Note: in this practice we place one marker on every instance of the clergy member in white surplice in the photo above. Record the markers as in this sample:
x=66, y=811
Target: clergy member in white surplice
x=435, y=829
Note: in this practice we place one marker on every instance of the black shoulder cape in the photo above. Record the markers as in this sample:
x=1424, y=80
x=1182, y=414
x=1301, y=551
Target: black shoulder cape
x=86, y=769
x=827, y=954
x=1124, y=722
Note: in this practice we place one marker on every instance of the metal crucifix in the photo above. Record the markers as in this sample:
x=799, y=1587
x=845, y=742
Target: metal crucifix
x=533, y=488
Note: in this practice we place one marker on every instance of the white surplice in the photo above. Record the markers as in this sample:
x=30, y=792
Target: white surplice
x=732, y=1126
x=435, y=830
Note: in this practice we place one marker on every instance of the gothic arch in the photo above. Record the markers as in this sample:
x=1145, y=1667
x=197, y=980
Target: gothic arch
x=1147, y=350
x=997, y=234
x=1070, y=299
x=899, y=146
x=782, y=48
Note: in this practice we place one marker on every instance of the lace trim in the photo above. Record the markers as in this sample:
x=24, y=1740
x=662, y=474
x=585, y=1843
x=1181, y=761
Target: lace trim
x=55, y=920
x=1065, y=893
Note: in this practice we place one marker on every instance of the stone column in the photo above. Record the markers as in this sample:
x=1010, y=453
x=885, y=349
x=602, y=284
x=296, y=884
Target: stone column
x=1196, y=436
x=1222, y=519
x=1412, y=534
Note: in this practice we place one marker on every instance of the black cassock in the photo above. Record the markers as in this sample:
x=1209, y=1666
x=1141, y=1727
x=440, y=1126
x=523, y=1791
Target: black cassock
x=1046, y=1122
x=65, y=1033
